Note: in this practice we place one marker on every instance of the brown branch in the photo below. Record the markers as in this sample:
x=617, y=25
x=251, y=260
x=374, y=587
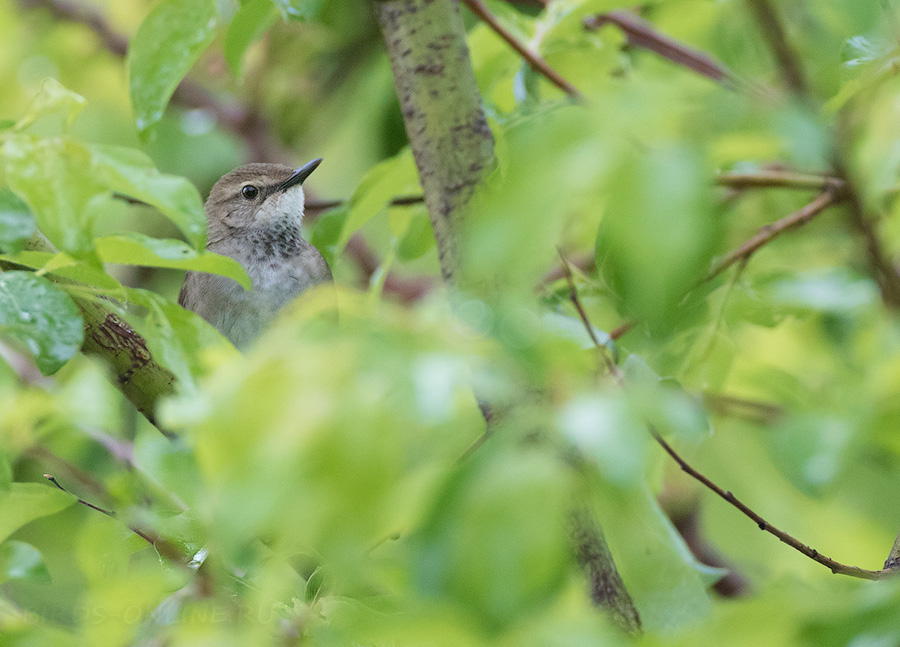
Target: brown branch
x=780, y=180
x=534, y=60
x=764, y=413
x=770, y=232
x=643, y=34
x=836, y=567
x=785, y=56
x=399, y=201
x=883, y=271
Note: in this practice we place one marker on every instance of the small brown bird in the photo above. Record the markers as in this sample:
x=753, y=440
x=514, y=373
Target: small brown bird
x=254, y=215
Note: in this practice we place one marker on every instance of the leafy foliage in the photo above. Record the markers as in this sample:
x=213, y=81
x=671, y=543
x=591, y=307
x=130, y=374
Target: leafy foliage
x=334, y=485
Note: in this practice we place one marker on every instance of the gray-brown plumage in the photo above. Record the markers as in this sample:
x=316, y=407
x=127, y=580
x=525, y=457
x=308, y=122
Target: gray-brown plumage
x=254, y=214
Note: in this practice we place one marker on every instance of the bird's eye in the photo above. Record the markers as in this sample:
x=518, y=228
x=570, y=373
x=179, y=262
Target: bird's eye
x=249, y=192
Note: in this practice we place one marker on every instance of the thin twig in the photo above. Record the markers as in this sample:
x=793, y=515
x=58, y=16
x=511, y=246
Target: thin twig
x=534, y=60
x=728, y=405
x=643, y=34
x=836, y=567
x=770, y=232
x=785, y=56
x=780, y=180
x=163, y=547
x=576, y=301
x=399, y=201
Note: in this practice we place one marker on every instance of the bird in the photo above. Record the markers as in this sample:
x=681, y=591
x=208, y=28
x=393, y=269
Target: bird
x=254, y=214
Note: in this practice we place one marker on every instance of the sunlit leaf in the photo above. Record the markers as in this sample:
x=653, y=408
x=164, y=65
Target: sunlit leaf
x=248, y=24
x=53, y=177
x=130, y=172
x=167, y=44
x=392, y=178
x=137, y=249
x=36, y=313
x=53, y=98
x=25, y=502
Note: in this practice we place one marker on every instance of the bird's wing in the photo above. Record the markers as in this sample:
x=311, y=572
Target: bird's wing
x=185, y=295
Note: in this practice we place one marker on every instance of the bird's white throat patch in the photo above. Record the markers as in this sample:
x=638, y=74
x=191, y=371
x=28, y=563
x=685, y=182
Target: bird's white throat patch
x=287, y=205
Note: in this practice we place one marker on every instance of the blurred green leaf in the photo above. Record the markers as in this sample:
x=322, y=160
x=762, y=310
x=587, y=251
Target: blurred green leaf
x=137, y=249
x=249, y=23
x=609, y=435
x=39, y=315
x=418, y=239
x=466, y=551
x=667, y=583
x=298, y=9
x=177, y=337
x=25, y=502
x=390, y=179
x=166, y=46
x=16, y=222
x=659, y=207
x=21, y=561
x=53, y=99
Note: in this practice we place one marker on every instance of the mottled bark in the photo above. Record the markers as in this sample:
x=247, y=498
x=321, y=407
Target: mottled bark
x=448, y=132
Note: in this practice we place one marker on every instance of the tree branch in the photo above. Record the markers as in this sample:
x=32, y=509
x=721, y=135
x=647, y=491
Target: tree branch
x=780, y=180
x=453, y=148
x=836, y=567
x=770, y=232
x=785, y=56
x=883, y=271
x=643, y=34
x=535, y=61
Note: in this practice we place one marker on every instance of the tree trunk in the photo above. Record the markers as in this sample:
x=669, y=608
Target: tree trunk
x=453, y=148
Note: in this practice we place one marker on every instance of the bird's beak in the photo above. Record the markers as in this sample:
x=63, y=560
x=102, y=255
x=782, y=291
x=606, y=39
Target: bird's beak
x=299, y=175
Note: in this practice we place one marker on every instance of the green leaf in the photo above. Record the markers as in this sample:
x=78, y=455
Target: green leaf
x=252, y=19
x=137, y=249
x=327, y=231
x=465, y=552
x=298, y=9
x=26, y=502
x=667, y=583
x=54, y=178
x=42, y=317
x=391, y=178
x=177, y=337
x=54, y=98
x=167, y=44
x=61, y=264
x=6, y=474
x=130, y=172
x=21, y=561
x=419, y=237
x=660, y=208
x=16, y=221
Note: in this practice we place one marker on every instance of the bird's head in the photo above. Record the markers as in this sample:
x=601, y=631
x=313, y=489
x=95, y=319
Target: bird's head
x=256, y=197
